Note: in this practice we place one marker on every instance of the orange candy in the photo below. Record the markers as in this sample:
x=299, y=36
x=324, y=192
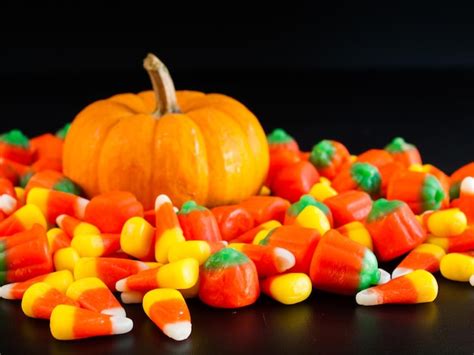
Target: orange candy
x=349, y=206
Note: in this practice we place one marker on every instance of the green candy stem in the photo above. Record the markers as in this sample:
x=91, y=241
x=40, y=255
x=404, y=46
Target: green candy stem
x=191, y=206
x=367, y=177
x=454, y=190
x=62, y=132
x=66, y=185
x=398, y=145
x=306, y=200
x=279, y=136
x=432, y=193
x=369, y=274
x=322, y=154
x=15, y=137
x=225, y=258
x=382, y=208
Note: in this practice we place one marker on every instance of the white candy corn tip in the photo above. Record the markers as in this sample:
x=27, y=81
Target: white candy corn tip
x=7, y=204
x=471, y=280
x=81, y=207
x=121, y=285
x=400, y=271
x=284, y=258
x=175, y=209
x=115, y=312
x=178, y=331
x=130, y=297
x=121, y=325
x=384, y=277
x=368, y=297
x=60, y=219
x=161, y=200
x=467, y=186
x=5, y=291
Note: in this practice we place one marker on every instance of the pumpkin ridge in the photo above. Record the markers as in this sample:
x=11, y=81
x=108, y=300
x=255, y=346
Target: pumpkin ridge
x=152, y=154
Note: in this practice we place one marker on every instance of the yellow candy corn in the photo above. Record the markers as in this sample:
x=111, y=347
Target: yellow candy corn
x=447, y=223
x=197, y=249
x=70, y=323
x=41, y=298
x=73, y=226
x=321, y=191
x=357, y=232
x=168, y=310
x=260, y=236
x=20, y=194
x=66, y=259
x=96, y=244
x=288, y=288
x=137, y=238
x=457, y=267
x=312, y=217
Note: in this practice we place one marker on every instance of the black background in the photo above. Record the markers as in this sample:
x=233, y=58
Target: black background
x=359, y=73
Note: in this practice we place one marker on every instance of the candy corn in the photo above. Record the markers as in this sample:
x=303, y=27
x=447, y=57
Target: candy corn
x=53, y=180
x=101, y=244
x=465, y=202
x=309, y=213
x=109, y=211
x=60, y=280
x=446, y=223
x=359, y=176
x=22, y=220
x=249, y=236
x=423, y=257
x=229, y=280
x=41, y=298
x=457, y=267
x=54, y=203
x=321, y=191
x=168, y=310
x=197, y=249
x=66, y=259
x=132, y=297
x=289, y=288
x=458, y=176
x=168, y=229
x=109, y=270
x=349, y=206
x=8, y=200
x=57, y=239
x=458, y=243
x=267, y=259
x=266, y=208
x=91, y=293
x=138, y=239
x=416, y=287
x=233, y=221
x=357, y=232
x=70, y=323
x=294, y=180
x=181, y=274
x=73, y=226
x=14, y=145
x=198, y=223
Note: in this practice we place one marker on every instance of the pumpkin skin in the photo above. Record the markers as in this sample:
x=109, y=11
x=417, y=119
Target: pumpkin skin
x=214, y=151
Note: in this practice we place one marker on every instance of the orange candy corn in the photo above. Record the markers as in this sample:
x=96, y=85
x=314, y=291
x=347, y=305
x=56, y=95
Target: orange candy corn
x=416, y=287
x=73, y=226
x=41, y=298
x=109, y=270
x=198, y=223
x=168, y=230
x=423, y=257
x=91, y=293
x=267, y=259
x=21, y=220
x=249, y=236
x=70, y=323
x=57, y=239
x=458, y=176
x=54, y=203
x=457, y=244
x=53, y=180
x=8, y=200
x=60, y=280
x=349, y=206
x=109, y=211
x=266, y=208
x=168, y=310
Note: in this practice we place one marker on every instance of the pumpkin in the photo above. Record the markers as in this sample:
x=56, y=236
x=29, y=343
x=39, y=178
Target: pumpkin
x=189, y=145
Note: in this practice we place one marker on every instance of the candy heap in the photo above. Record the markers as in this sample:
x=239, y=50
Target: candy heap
x=324, y=220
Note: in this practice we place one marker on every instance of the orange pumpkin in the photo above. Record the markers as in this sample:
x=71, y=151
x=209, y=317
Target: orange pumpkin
x=189, y=145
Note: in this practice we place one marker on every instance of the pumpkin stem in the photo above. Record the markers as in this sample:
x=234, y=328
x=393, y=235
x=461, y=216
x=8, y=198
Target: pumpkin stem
x=162, y=86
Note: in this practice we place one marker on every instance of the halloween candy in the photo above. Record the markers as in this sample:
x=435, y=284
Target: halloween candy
x=288, y=289
x=458, y=176
x=60, y=280
x=233, y=221
x=357, y=232
x=70, y=323
x=358, y=176
x=168, y=310
x=249, y=236
x=15, y=146
x=109, y=211
x=328, y=157
x=342, y=266
x=458, y=243
x=52, y=180
x=394, y=229
x=21, y=220
x=423, y=257
x=465, y=202
x=197, y=249
x=308, y=212
x=73, y=226
x=457, y=266
x=138, y=239
x=101, y=244
x=403, y=152
x=66, y=259
x=228, y=280
x=198, y=223
x=266, y=208
x=54, y=203
x=267, y=259
x=47, y=146
x=91, y=293
x=168, y=228
x=41, y=298
x=446, y=223
x=294, y=180
x=279, y=139
x=8, y=197
x=57, y=239
x=419, y=286
x=321, y=191
x=349, y=206
x=181, y=274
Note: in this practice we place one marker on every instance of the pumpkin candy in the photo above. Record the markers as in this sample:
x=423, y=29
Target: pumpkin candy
x=189, y=145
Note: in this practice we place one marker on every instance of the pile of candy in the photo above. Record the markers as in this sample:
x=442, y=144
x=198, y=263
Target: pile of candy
x=324, y=220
